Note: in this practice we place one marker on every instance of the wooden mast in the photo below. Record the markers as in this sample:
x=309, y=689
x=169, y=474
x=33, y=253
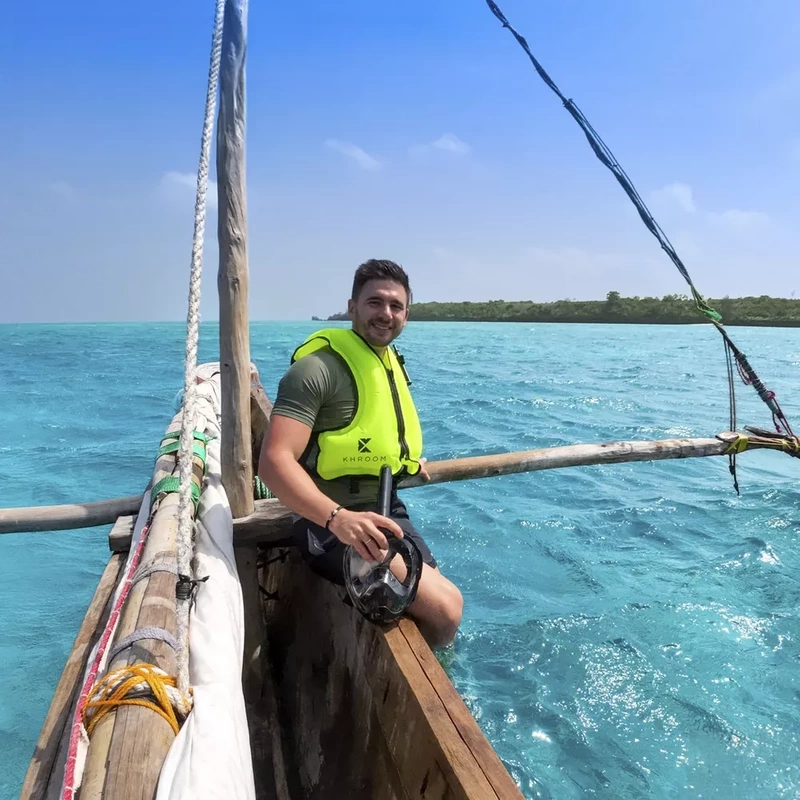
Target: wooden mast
x=234, y=343
x=232, y=279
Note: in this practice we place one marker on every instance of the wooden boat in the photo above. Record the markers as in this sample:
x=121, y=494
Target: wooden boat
x=336, y=707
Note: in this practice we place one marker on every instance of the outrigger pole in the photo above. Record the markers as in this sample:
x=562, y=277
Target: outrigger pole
x=104, y=512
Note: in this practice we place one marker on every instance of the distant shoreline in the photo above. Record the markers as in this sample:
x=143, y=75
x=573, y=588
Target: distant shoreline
x=763, y=311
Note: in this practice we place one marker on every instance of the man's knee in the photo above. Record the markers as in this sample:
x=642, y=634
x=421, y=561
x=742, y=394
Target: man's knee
x=451, y=606
x=440, y=609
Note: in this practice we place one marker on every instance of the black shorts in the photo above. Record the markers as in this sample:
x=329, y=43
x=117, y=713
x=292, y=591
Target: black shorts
x=324, y=553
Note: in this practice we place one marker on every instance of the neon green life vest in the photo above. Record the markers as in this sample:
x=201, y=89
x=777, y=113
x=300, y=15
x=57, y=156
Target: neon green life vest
x=385, y=428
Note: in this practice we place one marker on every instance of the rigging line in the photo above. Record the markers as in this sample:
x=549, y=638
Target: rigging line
x=605, y=155
x=186, y=508
x=732, y=407
x=603, y=152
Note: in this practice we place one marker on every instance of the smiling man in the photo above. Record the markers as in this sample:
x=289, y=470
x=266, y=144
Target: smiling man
x=344, y=410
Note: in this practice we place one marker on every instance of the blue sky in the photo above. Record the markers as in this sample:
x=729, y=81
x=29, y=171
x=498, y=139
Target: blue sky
x=416, y=131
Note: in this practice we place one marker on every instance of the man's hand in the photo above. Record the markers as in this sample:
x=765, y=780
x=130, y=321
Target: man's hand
x=361, y=530
x=423, y=470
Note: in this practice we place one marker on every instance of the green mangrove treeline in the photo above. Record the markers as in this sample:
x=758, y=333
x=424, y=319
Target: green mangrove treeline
x=671, y=309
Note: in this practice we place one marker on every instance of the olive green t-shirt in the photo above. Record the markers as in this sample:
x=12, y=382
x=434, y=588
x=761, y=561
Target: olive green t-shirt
x=319, y=391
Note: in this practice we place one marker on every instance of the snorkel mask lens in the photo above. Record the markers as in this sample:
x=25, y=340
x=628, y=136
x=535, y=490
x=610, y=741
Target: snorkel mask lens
x=374, y=590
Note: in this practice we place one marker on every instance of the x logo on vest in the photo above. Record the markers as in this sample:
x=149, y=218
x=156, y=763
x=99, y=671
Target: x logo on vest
x=362, y=445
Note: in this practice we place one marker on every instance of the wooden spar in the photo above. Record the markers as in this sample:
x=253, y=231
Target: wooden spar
x=232, y=279
x=78, y=515
x=128, y=746
x=45, y=769
x=271, y=521
x=575, y=455
x=18, y=520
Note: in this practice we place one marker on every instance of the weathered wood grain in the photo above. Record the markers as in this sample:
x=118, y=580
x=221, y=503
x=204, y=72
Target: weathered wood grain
x=128, y=745
x=363, y=711
x=232, y=277
x=34, y=519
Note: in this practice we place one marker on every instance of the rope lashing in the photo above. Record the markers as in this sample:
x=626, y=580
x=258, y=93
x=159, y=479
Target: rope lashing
x=169, y=485
x=140, y=634
x=138, y=685
x=738, y=445
x=78, y=715
x=146, y=570
x=764, y=439
x=197, y=435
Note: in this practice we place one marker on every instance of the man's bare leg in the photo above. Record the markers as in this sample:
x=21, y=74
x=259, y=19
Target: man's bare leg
x=438, y=606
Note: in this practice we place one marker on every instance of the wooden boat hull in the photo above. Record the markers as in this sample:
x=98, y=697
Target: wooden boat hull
x=364, y=710
x=337, y=706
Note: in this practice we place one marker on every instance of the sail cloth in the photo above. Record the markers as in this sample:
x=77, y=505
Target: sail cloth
x=210, y=757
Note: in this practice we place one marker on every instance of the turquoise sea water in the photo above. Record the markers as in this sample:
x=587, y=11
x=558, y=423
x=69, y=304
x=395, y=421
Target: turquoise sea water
x=630, y=631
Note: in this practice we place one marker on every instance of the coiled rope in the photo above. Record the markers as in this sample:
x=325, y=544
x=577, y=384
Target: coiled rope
x=137, y=685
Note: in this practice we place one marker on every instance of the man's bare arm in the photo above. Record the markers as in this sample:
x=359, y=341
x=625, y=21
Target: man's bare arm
x=280, y=470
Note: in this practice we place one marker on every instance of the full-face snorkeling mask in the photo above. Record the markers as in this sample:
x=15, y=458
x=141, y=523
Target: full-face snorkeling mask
x=373, y=589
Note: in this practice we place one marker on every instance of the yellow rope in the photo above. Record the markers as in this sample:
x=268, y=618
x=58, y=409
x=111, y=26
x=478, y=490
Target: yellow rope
x=130, y=686
x=738, y=445
x=791, y=445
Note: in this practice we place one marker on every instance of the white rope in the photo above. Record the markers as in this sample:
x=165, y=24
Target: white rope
x=185, y=505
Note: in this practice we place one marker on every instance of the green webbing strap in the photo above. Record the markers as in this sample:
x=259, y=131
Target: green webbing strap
x=172, y=483
x=198, y=449
x=703, y=307
x=198, y=435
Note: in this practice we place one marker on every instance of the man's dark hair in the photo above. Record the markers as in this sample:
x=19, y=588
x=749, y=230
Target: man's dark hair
x=380, y=269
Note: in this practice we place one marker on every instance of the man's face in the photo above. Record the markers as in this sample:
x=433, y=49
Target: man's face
x=380, y=311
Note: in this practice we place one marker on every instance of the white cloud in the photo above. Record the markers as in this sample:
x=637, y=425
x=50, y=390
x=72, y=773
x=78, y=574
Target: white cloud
x=63, y=190
x=679, y=194
x=740, y=220
x=352, y=151
x=181, y=186
x=450, y=143
x=446, y=143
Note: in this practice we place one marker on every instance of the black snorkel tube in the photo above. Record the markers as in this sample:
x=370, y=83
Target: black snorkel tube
x=385, y=493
